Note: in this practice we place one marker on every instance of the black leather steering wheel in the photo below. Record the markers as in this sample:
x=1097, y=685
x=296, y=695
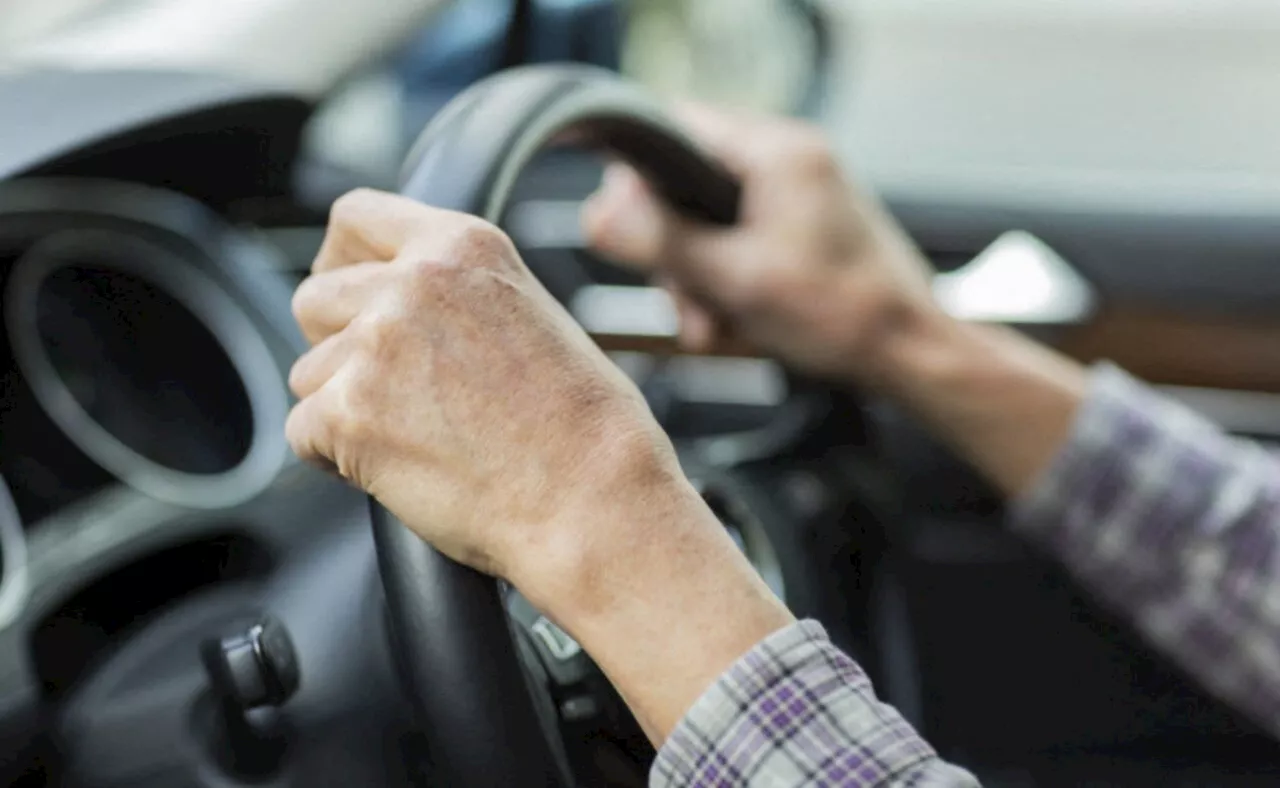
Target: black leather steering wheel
x=449, y=623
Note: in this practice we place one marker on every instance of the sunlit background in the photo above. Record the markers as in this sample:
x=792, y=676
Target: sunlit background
x=1068, y=93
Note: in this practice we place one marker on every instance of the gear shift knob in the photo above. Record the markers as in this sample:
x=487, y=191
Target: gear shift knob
x=255, y=668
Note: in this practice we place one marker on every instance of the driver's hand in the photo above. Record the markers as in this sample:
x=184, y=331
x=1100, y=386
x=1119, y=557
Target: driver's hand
x=449, y=384
x=816, y=273
x=445, y=381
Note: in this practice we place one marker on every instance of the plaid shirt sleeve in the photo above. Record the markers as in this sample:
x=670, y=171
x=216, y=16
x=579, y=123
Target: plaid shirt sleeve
x=796, y=711
x=1177, y=525
x=1174, y=522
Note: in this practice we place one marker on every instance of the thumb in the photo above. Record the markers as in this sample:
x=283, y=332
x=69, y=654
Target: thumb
x=627, y=223
x=624, y=220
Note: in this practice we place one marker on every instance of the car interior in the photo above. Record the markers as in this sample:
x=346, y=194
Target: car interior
x=184, y=603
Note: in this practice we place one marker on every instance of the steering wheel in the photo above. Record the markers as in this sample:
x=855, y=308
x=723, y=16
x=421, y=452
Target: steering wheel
x=449, y=623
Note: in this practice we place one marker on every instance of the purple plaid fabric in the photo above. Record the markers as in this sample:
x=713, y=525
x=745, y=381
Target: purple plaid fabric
x=1173, y=522
x=797, y=711
x=1177, y=525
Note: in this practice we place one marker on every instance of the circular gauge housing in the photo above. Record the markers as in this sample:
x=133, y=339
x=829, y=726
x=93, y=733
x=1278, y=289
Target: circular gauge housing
x=148, y=366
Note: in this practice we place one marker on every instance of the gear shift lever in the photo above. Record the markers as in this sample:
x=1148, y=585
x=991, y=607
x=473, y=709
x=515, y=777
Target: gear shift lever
x=251, y=673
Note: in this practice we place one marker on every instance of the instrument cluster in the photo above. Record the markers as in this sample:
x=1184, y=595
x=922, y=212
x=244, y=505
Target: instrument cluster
x=138, y=351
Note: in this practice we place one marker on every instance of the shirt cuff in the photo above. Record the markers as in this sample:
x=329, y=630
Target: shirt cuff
x=793, y=711
x=1121, y=440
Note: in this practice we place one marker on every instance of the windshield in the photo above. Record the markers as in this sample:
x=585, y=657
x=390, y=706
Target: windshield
x=23, y=20
x=306, y=46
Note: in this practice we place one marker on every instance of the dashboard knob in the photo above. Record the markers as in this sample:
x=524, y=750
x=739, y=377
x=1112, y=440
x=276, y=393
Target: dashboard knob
x=255, y=668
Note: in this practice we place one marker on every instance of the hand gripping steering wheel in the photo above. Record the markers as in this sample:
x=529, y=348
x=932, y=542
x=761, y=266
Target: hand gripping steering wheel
x=449, y=623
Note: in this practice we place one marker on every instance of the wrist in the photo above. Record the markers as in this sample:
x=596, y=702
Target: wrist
x=937, y=358
x=897, y=320
x=907, y=346
x=648, y=537
x=658, y=594
x=1001, y=400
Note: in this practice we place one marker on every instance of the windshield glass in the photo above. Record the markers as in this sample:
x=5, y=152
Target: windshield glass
x=22, y=20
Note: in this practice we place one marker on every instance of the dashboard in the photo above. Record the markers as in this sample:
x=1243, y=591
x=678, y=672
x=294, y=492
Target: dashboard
x=144, y=345
x=143, y=363
x=148, y=254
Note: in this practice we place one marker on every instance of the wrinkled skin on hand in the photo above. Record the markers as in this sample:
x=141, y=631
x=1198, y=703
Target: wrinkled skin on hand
x=445, y=381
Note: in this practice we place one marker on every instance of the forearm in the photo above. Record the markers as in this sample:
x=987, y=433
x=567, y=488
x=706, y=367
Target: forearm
x=718, y=673
x=1002, y=401
x=664, y=623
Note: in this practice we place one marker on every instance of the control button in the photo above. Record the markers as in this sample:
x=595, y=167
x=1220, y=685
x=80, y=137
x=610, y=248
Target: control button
x=556, y=641
x=579, y=708
x=564, y=660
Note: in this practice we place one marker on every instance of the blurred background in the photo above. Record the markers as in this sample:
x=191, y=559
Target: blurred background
x=1074, y=94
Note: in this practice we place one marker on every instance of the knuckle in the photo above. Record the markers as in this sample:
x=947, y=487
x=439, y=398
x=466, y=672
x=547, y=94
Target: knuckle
x=426, y=272
x=811, y=152
x=297, y=377
x=481, y=243
x=304, y=300
x=380, y=331
x=355, y=203
x=308, y=434
x=296, y=430
x=426, y=285
x=753, y=287
x=759, y=290
x=349, y=414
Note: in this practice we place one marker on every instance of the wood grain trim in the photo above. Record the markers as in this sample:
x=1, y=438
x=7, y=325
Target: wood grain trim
x=1182, y=349
x=1161, y=346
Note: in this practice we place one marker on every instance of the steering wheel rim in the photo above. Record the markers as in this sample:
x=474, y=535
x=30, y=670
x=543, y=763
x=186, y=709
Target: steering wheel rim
x=449, y=622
